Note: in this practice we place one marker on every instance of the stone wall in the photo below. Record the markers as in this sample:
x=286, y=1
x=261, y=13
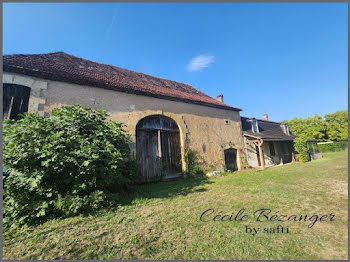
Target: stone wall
x=204, y=129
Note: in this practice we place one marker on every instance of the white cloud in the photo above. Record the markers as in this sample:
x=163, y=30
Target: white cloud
x=199, y=62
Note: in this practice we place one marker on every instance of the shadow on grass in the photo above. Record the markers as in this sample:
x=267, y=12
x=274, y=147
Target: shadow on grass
x=166, y=189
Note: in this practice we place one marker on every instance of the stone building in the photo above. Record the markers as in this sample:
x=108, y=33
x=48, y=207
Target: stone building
x=267, y=143
x=164, y=117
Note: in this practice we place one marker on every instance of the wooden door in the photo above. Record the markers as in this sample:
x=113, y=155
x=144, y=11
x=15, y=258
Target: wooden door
x=158, y=149
x=171, y=154
x=148, y=154
x=231, y=159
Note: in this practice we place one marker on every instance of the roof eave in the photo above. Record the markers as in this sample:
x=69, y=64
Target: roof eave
x=270, y=138
x=278, y=139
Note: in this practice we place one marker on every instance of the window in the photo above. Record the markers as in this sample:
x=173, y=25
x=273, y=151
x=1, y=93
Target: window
x=272, y=149
x=255, y=127
x=15, y=100
x=285, y=129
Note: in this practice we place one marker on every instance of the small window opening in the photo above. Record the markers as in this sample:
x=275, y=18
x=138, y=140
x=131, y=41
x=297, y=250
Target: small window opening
x=255, y=127
x=15, y=101
x=285, y=129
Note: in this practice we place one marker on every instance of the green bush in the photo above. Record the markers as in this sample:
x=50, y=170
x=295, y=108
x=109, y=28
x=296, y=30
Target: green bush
x=300, y=147
x=25, y=200
x=74, y=204
x=193, y=167
x=69, y=163
x=336, y=146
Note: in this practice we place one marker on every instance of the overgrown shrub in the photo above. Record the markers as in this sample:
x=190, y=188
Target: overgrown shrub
x=69, y=163
x=300, y=147
x=193, y=167
x=25, y=200
x=336, y=146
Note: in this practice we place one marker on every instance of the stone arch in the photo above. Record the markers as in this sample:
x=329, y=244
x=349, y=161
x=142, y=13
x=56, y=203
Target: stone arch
x=135, y=116
x=158, y=148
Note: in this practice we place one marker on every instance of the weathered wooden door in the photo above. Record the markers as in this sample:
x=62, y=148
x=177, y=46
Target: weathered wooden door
x=158, y=147
x=148, y=154
x=231, y=159
x=171, y=154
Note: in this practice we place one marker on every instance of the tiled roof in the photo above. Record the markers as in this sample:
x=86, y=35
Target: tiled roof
x=63, y=67
x=268, y=130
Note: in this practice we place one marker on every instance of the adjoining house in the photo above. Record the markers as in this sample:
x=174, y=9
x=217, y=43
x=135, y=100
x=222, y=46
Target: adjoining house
x=164, y=117
x=267, y=143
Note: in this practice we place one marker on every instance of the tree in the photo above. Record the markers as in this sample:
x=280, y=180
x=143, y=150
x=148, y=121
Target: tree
x=333, y=127
x=313, y=127
x=337, y=126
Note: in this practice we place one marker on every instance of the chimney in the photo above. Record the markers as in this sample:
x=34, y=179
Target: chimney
x=266, y=117
x=221, y=98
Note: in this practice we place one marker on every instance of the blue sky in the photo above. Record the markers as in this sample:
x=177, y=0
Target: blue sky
x=287, y=59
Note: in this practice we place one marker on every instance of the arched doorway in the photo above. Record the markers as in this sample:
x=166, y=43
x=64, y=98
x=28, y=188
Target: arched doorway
x=231, y=159
x=158, y=149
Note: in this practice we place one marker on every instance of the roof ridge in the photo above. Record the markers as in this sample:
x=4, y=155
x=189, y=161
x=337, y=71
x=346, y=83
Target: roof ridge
x=274, y=122
x=262, y=120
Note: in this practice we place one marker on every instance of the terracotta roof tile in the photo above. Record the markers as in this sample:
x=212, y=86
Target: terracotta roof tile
x=60, y=66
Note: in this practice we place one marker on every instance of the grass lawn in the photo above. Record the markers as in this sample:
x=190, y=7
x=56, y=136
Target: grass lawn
x=162, y=220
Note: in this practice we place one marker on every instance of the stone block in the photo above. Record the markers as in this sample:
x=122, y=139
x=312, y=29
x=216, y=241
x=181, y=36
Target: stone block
x=40, y=84
x=7, y=78
x=35, y=92
x=24, y=81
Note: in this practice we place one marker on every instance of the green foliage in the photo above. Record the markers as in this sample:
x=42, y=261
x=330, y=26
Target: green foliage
x=312, y=127
x=74, y=204
x=300, y=147
x=333, y=127
x=193, y=167
x=63, y=165
x=25, y=201
x=336, y=146
x=337, y=126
